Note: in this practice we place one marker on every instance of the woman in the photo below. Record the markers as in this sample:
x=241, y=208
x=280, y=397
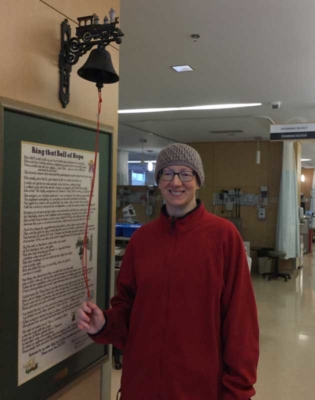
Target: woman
x=185, y=314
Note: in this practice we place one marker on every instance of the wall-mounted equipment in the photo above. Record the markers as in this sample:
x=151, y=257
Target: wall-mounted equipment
x=150, y=200
x=129, y=213
x=258, y=138
x=261, y=213
x=233, y=199
x=262, y=203
x=230, y=200
x=123, y=197
x=98, y=67
x=263, y=197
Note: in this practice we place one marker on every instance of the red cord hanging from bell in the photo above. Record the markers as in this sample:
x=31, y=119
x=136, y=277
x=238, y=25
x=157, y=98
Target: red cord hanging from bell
x=85, y=240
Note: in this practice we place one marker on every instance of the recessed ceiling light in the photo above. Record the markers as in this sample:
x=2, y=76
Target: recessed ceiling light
x=305, y=159
x=195, y=108
x=182, y=68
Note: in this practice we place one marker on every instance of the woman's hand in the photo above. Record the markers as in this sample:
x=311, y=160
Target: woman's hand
x=90, y=318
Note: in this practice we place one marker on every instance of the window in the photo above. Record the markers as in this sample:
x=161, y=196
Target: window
x=140, y=176
x=137, y=178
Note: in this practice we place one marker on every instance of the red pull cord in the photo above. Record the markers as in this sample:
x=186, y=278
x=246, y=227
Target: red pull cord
x=84, y=255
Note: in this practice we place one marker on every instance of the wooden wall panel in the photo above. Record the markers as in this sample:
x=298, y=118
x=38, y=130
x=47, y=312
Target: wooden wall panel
x=253, y=230
x=30, y=57
x=252, y=174
x=234, y=166
x=206, y=151
x=86, y=387
x=205, y=194
x=227, y=160
x=275, y=163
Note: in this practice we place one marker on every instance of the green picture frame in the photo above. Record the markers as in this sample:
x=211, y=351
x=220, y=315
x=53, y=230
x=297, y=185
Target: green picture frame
x=18, y=123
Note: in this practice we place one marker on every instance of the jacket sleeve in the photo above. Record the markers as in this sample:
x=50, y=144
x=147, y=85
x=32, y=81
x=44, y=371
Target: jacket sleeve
x=117, y=317
x=240, y=332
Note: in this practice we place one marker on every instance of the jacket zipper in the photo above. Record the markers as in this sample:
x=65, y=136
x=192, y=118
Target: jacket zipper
x=172, y=222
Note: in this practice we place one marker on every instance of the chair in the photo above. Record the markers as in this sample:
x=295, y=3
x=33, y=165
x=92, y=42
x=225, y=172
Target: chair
x=275, y=255
x=117, y=357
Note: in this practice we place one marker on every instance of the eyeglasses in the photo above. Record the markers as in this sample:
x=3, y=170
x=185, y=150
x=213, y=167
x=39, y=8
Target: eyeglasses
x=185, y=176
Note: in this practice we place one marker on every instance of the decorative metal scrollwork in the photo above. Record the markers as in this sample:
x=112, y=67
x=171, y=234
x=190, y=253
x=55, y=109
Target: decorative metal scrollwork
x=89, y=33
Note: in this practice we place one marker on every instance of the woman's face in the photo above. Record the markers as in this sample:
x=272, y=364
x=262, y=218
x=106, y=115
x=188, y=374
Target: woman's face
x=180, y=197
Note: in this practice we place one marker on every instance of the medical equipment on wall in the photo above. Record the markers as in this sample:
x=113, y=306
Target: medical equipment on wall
x=263, y=196
x=232, y=200
x=150, y=200
x=262, y=203
x=123, y=197
x=261, y=213
x=129, y=213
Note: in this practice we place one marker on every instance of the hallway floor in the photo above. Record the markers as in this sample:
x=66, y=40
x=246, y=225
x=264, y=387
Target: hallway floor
x=287, y=336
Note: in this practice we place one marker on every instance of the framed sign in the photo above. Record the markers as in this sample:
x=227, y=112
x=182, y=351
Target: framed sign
x=46, y=169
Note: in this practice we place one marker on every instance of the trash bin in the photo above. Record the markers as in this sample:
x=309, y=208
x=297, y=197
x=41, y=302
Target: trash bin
x=264, y=262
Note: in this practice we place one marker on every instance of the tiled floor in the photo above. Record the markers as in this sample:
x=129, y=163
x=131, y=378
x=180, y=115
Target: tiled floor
x=287, y=327
x=115, y=383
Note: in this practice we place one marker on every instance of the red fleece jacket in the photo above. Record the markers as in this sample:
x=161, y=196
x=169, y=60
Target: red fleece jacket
x=185, y=313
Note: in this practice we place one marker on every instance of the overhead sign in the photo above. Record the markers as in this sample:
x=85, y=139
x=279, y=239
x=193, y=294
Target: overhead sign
x=292, y=132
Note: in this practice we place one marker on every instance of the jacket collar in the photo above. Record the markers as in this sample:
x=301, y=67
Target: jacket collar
x=185, y=222
x=164, y=211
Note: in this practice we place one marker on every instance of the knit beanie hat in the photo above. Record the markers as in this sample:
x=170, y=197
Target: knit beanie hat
x=180, y=154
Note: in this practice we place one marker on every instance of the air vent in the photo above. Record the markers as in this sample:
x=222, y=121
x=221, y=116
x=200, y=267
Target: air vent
x=226, y=132
x=308, y=164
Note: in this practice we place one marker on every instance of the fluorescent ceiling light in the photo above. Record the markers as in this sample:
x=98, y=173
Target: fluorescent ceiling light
x=182, y=68
x=305, y=159
x=195, y=108
x=139, y=162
